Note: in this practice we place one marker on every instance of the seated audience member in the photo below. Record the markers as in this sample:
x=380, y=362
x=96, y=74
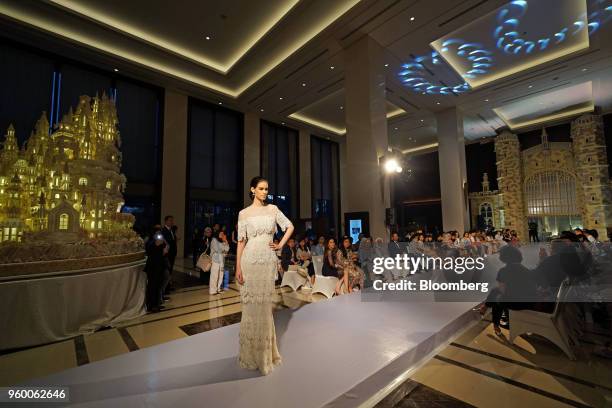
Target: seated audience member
x=394, y=247
x=329, y=259
x=289, y=255
x=319, y=248
x=366, y=255
x=352, y=275
x=304, y=258
x=516, y=287
x=155, y=266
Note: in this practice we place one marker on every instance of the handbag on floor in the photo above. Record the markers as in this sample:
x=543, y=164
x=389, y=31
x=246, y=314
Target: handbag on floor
x=204, y=263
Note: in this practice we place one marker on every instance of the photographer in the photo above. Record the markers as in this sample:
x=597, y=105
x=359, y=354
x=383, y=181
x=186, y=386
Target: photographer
x=157, y=249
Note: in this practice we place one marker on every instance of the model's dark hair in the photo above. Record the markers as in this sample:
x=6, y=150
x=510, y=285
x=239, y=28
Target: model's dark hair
x=254, y=182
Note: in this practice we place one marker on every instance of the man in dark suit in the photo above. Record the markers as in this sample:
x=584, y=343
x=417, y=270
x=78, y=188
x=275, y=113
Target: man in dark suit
x=288, y=255
x=170, y=238
x=395, y=248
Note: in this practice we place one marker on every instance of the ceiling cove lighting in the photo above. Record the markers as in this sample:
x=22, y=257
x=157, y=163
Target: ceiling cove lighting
x=508, y=35
x=333, y=129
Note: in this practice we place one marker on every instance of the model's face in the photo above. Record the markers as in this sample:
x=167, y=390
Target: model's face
x=261, y=191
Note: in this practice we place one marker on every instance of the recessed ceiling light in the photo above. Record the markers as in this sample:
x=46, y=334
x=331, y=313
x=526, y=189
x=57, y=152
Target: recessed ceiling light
x=584, y=69
x=486, y=100
x=220, y=103
x=424, y=93
x=395, y=128
x=207, y=37
x=412, y=18
x=422, y=120
x=283, y=123
x=437, y=103
x=332, y=67
x=341, y=107
x=303, y=83
x=386, y=65
x=261, y=110
x=280, y=98
x=530, y=86
x=116, y=70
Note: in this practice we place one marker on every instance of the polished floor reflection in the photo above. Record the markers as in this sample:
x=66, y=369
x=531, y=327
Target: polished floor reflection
x=477, y=369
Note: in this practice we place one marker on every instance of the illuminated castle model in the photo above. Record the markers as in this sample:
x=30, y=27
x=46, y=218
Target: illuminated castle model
x=556, y=186
x=65, y=186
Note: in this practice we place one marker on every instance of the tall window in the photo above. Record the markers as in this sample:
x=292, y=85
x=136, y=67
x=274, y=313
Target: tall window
x=486, y=212
x=325, y=158
x=215, y=161
x=63, y=222
x=279, y=165
x=551, y=193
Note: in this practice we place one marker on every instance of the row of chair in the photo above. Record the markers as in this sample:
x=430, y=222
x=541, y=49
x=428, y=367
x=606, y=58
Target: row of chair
x=325, y=285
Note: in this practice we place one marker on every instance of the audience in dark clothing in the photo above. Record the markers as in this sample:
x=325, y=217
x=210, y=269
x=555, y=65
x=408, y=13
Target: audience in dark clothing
x=155, y=267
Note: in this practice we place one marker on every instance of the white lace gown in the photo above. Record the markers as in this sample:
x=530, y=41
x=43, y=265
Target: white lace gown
x=257, y=226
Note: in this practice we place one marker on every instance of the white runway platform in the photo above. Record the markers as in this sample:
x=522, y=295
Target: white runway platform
x=336, y=353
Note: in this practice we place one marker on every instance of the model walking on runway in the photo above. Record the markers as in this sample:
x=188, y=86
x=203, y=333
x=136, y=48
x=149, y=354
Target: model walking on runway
x=256, y=272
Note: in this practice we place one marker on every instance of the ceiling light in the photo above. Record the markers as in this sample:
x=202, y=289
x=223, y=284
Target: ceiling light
x=386, y=65
x=422, y=120
x=437, y=103
x=283, y=123
x=261, y=110
x=303, y=83
x=280, y=98
x=220, y=103
x=530, y=86
x=486, y=100
x=116, y=70
x=584, y=69
x=207, y=37
x=391, y=165
x=341, y=107
x=332, y=67
x=412, y=18
x=395, y=128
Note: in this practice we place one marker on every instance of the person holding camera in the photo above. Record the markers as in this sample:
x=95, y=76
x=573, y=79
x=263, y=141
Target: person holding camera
x=155, y=268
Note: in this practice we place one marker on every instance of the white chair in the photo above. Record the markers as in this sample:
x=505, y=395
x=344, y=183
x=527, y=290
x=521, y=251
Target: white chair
x=292, y=278
x=547, y=325
x=317, y=262
x=325, y=285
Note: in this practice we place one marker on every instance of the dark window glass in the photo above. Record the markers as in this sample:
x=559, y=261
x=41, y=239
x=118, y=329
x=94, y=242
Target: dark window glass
x=26, y=82
x=324, y=156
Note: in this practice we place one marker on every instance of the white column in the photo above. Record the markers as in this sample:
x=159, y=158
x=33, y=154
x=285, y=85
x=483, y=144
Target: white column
x=174, y=169
x=453, y=179
x=252, y=149
x=305, y=175
x=366, y=138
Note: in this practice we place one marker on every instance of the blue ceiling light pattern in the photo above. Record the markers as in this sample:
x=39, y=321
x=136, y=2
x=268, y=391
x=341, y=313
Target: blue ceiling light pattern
x=510, y=41
x=415, y=76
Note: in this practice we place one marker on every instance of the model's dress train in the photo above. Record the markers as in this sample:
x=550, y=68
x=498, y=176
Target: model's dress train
x=257, y=225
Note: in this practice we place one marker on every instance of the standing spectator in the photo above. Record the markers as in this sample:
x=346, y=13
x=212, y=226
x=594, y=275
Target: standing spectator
x=206, y=248
x=155, y=266
x=219, y=248
x=168, y=233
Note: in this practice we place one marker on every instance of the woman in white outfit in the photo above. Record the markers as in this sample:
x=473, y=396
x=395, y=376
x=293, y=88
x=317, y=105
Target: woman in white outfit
x=219, y=247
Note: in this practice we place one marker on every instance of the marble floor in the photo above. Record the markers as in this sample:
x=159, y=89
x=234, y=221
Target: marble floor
x=477, y=369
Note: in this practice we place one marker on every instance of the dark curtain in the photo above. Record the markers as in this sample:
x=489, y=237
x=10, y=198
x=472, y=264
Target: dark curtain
x=214, y=193
x=279, y=165
x=325, y=177
x=26, y=82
